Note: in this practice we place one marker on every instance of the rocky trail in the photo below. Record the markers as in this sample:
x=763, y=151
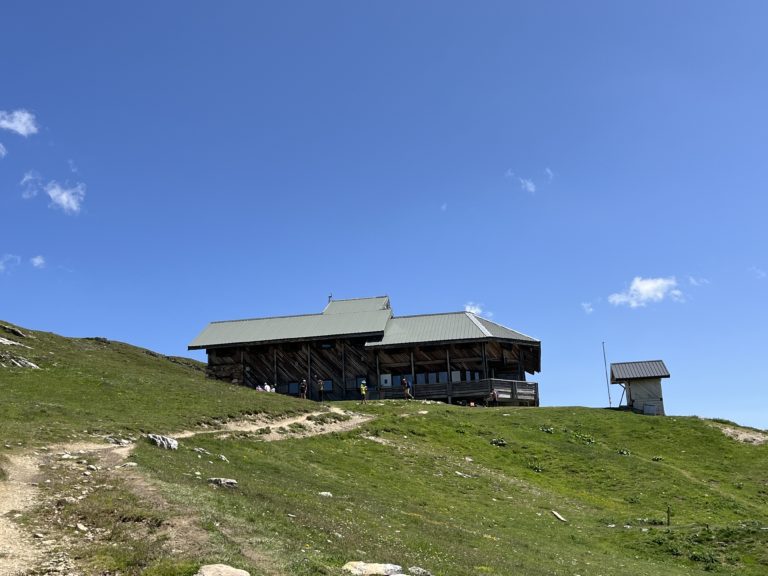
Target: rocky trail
x=23, y=551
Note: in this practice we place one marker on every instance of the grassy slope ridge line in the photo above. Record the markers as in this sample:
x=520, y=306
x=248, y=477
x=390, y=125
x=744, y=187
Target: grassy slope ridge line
x=98, y=387
x=420, y=484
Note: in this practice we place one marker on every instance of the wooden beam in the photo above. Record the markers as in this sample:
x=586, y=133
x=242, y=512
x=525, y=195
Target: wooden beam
x=413, y=375
x=344, y=368
x=274, y=349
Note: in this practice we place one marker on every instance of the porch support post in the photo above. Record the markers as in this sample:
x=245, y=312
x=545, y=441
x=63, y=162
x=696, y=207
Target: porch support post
x=344, y=368
x=310, y=384
x=274, y=363
x=413, y=375
x=378, y=377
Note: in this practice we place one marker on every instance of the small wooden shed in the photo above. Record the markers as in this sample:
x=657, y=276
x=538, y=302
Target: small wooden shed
x=642, y=384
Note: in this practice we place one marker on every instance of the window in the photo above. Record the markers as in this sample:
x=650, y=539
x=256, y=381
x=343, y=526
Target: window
x=443, y=377
x=326, y=345
x=327, y=385
x=385, y=381
x=293, y=387
x=468, y=376
x=421, y=378
x=455, y=376
x=433, y=377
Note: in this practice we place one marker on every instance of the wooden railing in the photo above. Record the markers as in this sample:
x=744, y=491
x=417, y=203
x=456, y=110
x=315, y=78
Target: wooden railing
x=507, y=391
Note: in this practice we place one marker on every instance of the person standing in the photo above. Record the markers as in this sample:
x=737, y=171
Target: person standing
x=364, y=392
x=320, y=389
x=303, y=389
x=406, y=389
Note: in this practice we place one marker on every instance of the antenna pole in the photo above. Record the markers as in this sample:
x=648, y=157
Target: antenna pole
x=607, y=383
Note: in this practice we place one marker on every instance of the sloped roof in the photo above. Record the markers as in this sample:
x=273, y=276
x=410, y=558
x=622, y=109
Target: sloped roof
x=623, y=371
x=291, y=328
x=357, y=305
x=499, y=331
x=443, y=328
x=370, y=317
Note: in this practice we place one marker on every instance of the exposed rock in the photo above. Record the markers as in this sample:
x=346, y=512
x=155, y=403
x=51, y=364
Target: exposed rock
x=223, y=458
x=325, y=494
x=117, y=441
x=220, y=570
x=14, y=361
x=226, y=482
x=12, y=330
x=416, y=571
x=164, y=441
x=366, y=569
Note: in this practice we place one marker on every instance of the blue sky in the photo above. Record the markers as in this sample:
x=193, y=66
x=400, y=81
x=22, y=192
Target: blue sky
x=581, y=172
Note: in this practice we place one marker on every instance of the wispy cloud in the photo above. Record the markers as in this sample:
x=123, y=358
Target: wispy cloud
x=8, y=261
x=69, y=199
x=477, y=308
x=37, y=261
x=21, y=122
x=643, y=291
x=31, y=183
x=549, y=174
x=694, y=281
x=3, y=150
x=72, y=166
x=526, y=184
x=758, y=272
x=587, y=307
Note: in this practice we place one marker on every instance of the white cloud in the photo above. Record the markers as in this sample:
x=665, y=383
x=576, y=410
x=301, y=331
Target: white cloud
x=473, y=308
x=31, y=182
x=38, y=261
x=587, y=307
x=20, y=121
x=72, y=166
x=549, y=174
x=444, y=206
x=527, y=185
x=693, y=281
x=758, y=272
x=3, y=150
x=69, y=199
x=7, y=261
x=645, y=290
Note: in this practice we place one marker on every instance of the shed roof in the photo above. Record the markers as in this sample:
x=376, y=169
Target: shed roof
x=623, y=371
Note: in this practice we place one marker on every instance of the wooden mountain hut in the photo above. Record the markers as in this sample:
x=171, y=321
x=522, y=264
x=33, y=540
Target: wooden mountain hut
x=456, y=356
x=642, y=384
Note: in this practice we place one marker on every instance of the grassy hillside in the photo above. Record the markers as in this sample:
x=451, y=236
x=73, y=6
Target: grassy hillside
x=97, y=387
x=453, y=490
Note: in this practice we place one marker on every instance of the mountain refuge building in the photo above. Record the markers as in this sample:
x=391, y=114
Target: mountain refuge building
x=453, y=357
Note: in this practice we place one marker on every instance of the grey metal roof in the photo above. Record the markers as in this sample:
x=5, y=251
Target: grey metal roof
x=357, y=305
x=443, y=327
x=623, y=371
x=499, y=331
x=310, y=326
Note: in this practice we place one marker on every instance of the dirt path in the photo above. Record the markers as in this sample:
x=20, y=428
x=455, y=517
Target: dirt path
x=20, y=551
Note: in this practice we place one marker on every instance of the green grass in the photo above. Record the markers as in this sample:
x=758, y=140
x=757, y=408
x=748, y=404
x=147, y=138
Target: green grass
x=404, y=502
x=456, y=490
x=93, y=387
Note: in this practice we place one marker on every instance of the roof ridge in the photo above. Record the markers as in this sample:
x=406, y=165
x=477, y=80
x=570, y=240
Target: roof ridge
x=266, y=318
x=510, y=329
x=360, y=298
x=637, y=362
x=433, y=314
x=479, y=324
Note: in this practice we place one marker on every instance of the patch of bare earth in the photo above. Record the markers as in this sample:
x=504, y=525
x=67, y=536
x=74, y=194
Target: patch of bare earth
x=51, y=479
x=746, y=435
